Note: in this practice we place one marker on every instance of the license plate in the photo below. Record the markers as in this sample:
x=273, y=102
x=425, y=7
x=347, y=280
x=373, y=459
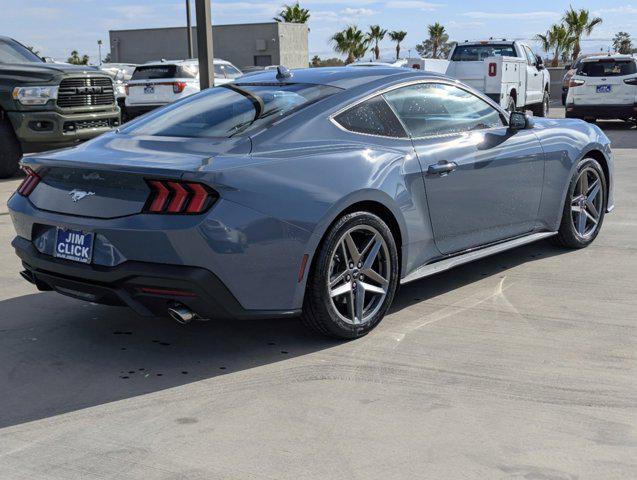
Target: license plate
x=149, y=89
x=74, y=245
x=603, y=88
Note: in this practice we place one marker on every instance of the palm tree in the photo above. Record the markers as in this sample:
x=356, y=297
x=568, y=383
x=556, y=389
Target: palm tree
x=437, y=37
x=397, y=36
x=351, y=42
x=579, y=23
x=559, y=39
x=375, y=36
x=293, y=14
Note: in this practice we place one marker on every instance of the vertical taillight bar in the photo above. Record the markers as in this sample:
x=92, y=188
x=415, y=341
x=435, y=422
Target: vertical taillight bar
x=175, y=197
x=28, y=184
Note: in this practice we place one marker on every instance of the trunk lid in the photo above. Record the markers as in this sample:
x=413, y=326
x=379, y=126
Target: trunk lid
x=106, y=178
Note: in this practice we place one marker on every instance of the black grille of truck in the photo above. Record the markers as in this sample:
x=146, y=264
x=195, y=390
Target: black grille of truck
x=85, y=92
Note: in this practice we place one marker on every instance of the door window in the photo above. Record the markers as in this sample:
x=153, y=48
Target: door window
x=530, y=57
x=429, y=109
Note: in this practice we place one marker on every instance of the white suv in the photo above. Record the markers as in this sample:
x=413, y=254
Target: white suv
x=157, y=84
x=604, y=88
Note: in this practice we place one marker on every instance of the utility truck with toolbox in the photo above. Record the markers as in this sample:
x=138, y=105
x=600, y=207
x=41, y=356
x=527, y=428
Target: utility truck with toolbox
x=508, y=72
x=45, y=106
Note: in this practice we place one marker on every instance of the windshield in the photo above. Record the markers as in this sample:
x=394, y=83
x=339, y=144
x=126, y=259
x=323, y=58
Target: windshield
x=607, y=68
x=473, y=53
x=225, y=112
x=13, y=52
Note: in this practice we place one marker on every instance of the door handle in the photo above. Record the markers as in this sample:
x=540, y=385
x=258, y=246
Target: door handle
x=443, y=167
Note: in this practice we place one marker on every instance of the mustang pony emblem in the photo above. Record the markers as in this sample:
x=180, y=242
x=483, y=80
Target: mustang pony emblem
x=78, y=195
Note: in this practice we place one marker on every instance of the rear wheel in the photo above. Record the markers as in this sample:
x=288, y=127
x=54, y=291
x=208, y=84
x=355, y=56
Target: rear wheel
x=585, y=206
x=10, y=151
x=542, y=109
x=354, y=279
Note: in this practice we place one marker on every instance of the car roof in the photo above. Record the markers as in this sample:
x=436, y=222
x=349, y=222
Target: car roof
x=340, y=77
x=617, y=56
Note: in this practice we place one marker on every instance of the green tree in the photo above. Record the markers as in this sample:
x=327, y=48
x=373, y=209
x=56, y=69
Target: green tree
x=622, y=43
x=559, y=40
x=580, y=23
x=437, y=45
x=293, y=14
x=351, y=42
x=75, y=59
x=328, y=62
x=397, y=36
x=375, y=36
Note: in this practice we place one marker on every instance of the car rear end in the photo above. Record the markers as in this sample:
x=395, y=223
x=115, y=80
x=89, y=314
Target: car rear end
x=604, y=88
x=148, y=217
x=155, y=85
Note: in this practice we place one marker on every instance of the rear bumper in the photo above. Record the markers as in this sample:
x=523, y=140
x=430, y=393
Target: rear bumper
x=147, y=288
x=44, y=130
x=601, y=111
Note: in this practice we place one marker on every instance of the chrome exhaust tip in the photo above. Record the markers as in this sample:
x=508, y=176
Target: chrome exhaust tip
x=181, y=314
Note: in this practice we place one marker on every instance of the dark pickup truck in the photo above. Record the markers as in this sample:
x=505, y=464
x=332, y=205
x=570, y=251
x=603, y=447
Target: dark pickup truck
x=48, y=105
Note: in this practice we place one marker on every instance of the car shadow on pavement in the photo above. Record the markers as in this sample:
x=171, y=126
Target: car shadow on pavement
x=58, y=355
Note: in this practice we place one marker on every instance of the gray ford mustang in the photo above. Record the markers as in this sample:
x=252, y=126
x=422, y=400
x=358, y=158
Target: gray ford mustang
x=314, y=193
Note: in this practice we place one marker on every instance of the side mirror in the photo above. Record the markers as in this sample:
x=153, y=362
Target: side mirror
x=539, y=62
x=520, y=121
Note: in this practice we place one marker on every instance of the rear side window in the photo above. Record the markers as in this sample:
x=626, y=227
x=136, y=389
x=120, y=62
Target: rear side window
x=474, y=53
x=429, y=109
x=372, y=117
x=607, y=68
x=155, y=72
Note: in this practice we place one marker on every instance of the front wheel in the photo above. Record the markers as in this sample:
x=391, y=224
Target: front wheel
x=354, y=278
x=585, y=206
x=542, y=109
x=10, y=151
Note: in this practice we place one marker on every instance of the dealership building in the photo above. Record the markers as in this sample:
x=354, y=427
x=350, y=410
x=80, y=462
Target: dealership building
x=244, y=45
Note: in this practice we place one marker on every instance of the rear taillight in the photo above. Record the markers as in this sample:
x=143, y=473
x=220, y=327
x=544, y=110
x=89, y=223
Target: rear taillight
x=575, y=83
x=28, y=184
x=493, y=69
x=178, y=87
x=631, y=81
x=173, y=197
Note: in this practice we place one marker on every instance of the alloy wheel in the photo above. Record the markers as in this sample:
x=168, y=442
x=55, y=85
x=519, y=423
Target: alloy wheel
x=359, y=274
x=587, y=203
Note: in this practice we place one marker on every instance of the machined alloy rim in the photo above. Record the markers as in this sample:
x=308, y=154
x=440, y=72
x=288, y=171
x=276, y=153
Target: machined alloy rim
x=359, y=274
x=587, y=202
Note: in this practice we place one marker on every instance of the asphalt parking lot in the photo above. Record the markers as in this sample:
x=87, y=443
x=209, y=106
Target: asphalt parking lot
x=522, y=365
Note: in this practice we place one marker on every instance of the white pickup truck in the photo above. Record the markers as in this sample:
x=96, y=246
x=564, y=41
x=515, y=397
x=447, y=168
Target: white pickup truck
x=506, y=71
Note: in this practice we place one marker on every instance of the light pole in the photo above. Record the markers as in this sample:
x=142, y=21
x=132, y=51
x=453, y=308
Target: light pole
x=189, y=29
x=99, y=48
x=204, y=44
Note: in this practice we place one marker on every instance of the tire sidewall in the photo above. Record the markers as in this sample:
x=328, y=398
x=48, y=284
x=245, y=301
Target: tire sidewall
x=336, y=325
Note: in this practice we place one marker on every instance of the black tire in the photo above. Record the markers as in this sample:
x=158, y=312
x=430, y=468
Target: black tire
x=511, y=106
x=319, y=312
x=564, y=94
x=542, y=109
x=10, y=150
x=568, y=236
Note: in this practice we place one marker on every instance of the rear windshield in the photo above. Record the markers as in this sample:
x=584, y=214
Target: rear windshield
x=226, y=71
x=607, y=68
x=13, y=52
x=158, y=72
x=473, y=53
x=224, y=112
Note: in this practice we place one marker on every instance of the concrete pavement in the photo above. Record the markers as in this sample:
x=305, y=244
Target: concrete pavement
x=520, y=366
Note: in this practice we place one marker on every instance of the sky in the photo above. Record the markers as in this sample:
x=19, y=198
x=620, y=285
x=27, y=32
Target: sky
x=55, y=27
